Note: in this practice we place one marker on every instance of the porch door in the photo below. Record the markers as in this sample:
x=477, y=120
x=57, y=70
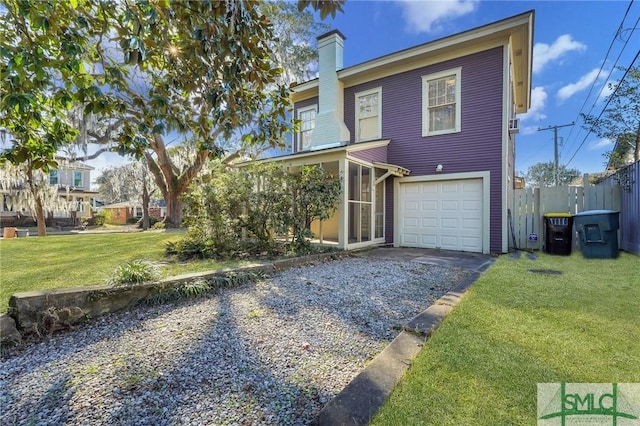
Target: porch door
x=360, y=205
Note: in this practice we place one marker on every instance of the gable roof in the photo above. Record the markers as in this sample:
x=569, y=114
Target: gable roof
x=516, y=31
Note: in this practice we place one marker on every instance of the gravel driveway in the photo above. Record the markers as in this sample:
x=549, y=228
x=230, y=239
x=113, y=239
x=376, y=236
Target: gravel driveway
x=272, y=353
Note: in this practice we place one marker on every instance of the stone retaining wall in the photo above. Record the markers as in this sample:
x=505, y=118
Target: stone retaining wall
x=49, y=311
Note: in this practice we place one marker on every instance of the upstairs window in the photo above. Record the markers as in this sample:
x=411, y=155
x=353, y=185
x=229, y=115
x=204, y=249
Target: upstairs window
x=77, y=179
x=54, y=177
x=441, y=103
x=369, y=115
x=307, y=117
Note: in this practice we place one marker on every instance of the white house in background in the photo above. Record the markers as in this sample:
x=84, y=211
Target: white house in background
x=73, y=180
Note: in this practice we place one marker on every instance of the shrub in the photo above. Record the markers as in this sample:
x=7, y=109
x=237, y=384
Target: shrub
x=99, y=218
x=243, y=212
x=152, y=221
x=132, y=220
x=135, y=272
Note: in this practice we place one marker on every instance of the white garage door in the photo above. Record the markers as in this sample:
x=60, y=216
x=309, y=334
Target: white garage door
x=442, y=214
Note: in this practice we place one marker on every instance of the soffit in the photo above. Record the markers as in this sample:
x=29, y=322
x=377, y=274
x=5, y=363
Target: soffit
x=517, y=32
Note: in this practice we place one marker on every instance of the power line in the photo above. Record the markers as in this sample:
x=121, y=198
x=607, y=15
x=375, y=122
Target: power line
x=605, y=107
x=615, y=36
x=555, y=149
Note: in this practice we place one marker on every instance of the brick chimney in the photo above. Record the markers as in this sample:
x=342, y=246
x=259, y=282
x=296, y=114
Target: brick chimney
x=330, y=129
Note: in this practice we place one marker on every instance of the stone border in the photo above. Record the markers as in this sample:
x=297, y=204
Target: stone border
x=361, y=399
x=62, y=308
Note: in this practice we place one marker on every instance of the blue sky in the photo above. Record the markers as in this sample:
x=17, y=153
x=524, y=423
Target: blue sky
x=571, y=40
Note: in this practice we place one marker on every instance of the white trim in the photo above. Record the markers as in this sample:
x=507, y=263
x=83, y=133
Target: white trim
x=377, y=90
x=298, y=142
x=368, y=145
x=486, y=201
x=506, y=109
x=73, y=179
x=425, y=101
x=516, y=31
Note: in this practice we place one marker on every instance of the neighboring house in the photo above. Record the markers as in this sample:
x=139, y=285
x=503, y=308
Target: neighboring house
x=423, y=138
x=120, y=213
x=73, y=180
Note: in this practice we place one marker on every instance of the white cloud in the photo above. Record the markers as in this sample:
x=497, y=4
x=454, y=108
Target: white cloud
x=585, y=81
x=424, y=16
x=538, y=101
x=599, y=144
x=544, y=53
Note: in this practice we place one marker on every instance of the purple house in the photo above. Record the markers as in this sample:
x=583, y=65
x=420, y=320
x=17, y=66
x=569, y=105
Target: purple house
x=423, y=138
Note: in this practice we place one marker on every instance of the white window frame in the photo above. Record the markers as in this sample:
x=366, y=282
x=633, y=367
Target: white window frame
x=73, y=176
x=299, y=112
x=425, y=101
x=54, y=174
x=358, y=95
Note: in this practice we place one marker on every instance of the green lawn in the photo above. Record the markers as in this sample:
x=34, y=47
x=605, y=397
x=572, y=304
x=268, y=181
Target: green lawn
x=59, y=261
x=515, y=329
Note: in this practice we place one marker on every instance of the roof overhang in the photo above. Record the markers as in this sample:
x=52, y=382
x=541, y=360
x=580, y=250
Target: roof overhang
x=516, y=31
x=322, y=152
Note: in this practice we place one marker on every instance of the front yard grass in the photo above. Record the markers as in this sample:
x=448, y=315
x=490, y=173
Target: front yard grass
x=515, y=329
x=60, y=261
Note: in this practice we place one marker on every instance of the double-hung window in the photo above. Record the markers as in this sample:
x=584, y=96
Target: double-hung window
x=307, y=117
x=77, y=179
x=441, y=102
x=369, y=115
x=54, y=177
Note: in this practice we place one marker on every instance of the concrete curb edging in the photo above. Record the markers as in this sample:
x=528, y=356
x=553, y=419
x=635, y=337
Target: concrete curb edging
x=361, y=399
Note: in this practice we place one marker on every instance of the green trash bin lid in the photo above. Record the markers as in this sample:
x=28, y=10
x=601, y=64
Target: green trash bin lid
x=558, y=215
x=595, y=212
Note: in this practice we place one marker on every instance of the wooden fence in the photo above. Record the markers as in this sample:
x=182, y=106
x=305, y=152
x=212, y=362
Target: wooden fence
x=628, y=180
x=531, y=204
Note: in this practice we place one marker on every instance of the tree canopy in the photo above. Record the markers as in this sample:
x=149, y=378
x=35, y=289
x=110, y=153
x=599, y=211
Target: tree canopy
x=620, y=120
x=543, y=175
x=135, y=72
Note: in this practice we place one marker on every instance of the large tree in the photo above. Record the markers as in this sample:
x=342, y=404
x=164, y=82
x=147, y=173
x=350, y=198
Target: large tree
x=145, y=70
x=620, y=121
x=26, y=187
x=542, y=175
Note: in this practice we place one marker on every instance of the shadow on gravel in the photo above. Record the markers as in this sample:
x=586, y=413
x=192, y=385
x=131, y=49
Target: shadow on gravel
x=65, y=342
x=51, y=408
x=219, y=378
x=378, y=312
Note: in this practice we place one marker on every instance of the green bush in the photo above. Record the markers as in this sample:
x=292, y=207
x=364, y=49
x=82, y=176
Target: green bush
x=249, y=211
x=152, y=221
x=132, y=220
x=135, y=272
x=100, y=218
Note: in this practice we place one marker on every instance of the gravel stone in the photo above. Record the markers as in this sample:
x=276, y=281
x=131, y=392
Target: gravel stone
x=267, y=353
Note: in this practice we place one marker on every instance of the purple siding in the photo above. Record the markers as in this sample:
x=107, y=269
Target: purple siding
x=477, y=147
x=374, y=154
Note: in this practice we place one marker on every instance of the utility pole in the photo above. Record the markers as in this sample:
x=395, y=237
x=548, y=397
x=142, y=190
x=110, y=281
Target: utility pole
x=556, y=174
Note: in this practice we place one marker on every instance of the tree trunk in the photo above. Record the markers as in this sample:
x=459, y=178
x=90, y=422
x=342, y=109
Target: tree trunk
x=174, y=208
x=172, y=182
x=145, y=205
x=40, y=219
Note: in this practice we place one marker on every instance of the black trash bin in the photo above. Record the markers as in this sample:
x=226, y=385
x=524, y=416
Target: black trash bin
x=598, y=233
x=559, y=227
